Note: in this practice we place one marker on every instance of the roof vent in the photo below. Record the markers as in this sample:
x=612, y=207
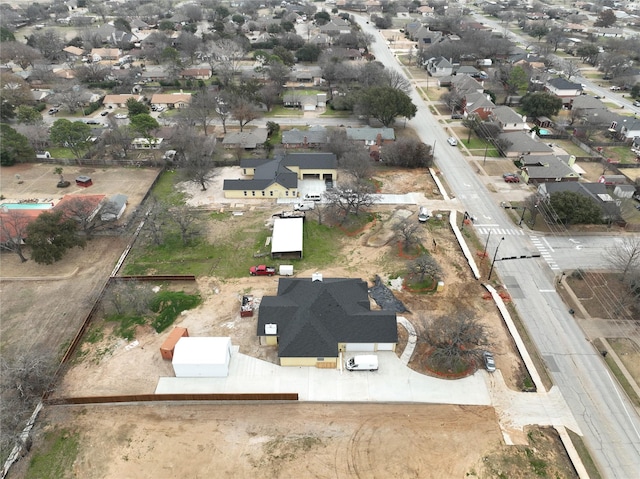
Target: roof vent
x=270, y=328
x=316, y=277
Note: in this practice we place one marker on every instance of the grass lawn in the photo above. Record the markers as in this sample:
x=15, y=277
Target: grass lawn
x=336, y=113
x=570, y=147
x=623, y=154
x=55, y=459
x=59, y=152
x=229, y=257
x=280, y=110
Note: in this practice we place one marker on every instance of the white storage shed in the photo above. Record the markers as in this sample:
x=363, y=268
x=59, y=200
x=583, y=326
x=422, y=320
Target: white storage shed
x=287, y=238
x=198, y=357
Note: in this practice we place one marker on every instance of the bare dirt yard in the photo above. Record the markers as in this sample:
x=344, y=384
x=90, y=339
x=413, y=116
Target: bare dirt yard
x=283, y=440
x=295, y=440
x=44, y=305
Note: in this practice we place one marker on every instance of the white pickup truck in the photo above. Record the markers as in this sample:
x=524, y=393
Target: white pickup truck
x=308, y=206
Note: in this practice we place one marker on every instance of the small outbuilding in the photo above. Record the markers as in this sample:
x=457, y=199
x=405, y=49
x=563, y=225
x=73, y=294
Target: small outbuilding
x=287, y=238
x=114, y=208
x=202, y=357
x=84, y=181
x=167, y=348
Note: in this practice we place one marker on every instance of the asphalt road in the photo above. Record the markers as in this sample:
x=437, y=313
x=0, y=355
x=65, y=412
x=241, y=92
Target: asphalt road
x=609, y=423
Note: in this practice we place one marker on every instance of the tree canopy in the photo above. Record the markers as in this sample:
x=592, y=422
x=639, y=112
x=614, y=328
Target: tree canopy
x=541, y=103
x=385, y=104
x=135, y=107
x=568, y=207
x=51, y=235
x=143, y=124
x=73, y=135
x=14, y=147
x=606, y=18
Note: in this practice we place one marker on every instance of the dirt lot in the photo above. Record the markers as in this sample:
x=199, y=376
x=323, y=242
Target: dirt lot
x=44, y=305
x=315, y=440
x=297, y=440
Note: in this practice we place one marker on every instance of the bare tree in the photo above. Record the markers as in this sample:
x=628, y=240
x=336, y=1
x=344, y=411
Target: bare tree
x=624, y=256
x=222, y=111
x=425, y=266
x=224, y=57
x=339, y=144
x=156, y=221
x=37, y=134
x=195, y=158
x=407, y=231
x=570, y=68
x=187, y=221
x=350, y=198
x=202, y=109
x=244, y=112
x=127, y=297
x=119, y=137
x=458, y=340
x=357, y=165
x=13, y=229
x=19, y=53
x=87, y=213
x=24, y=378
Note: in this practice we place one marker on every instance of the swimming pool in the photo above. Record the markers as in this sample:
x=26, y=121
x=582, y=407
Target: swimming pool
x=26, y=206
x=543, y=131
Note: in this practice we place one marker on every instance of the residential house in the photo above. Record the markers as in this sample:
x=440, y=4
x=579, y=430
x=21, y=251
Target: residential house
x=100, y=54
x=418, y=32
x=314, y=137
x=154, y=73
x=538, y=169
x=73, y=53
x=522, y=144
x=247, y=139
x=564, y=89
x=469, y=70
x=278, y=178
x=369, y=136
x=146, y=143
x=508, y=119
x=627, y=128
x=478, y=104
x=465, y=84
x=313, y=320
x=119, y=101
x=306, y=74
x=439, y=67
x=196, y=73
x=171, y=100
x=596, y=192
x=337, y=26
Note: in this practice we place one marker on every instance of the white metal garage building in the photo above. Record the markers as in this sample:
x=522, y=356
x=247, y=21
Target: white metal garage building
x=202, y=357
x=286, y=241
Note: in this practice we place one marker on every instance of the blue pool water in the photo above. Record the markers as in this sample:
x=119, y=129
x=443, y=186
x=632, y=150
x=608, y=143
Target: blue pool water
x=26, y=206
x=543, y=131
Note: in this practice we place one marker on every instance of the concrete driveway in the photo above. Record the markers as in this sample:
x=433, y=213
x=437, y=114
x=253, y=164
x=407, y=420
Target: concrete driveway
x=393, y=382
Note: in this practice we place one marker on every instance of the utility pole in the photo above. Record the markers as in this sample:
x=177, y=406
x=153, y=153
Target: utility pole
x=494, y=257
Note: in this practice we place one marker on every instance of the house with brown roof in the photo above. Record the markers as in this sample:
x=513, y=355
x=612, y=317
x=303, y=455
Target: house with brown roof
x=196, y=73
x=119, y=101
x=171, y=100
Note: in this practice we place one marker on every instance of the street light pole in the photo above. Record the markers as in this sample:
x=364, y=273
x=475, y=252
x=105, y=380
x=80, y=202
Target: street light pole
x=524, y=209
x=486, y=245
x=494, y=258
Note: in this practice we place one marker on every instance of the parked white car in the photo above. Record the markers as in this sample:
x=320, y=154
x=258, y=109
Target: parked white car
x=121, y=116
x=452, y=141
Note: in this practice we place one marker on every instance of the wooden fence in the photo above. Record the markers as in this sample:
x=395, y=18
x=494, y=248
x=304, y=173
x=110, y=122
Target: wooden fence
x=137, y=398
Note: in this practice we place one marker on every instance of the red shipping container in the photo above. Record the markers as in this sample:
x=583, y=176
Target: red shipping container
x=166, y=350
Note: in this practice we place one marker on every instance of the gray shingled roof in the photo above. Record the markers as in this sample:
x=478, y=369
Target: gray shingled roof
x=314, y=135
x=370, y=134
x=523, y=143
x=312, y=317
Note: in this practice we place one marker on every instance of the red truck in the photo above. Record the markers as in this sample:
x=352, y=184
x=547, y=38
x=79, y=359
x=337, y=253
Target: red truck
x=262, y=270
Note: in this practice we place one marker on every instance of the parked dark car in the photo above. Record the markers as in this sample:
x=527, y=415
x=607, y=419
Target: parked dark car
x=457, y=116
x=512, y=179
